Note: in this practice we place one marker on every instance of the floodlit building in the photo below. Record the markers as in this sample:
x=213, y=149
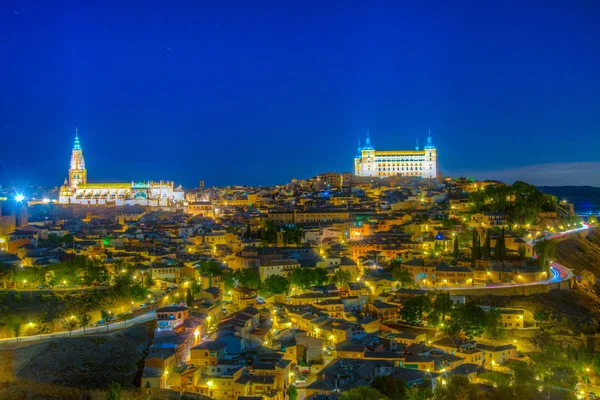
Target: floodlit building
x=77, y=190
x=421, y=163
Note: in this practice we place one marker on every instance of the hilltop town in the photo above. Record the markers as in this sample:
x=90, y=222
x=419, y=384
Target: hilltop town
x=313, y=289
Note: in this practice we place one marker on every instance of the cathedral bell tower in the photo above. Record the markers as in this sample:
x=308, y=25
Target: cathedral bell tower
x=77, y=171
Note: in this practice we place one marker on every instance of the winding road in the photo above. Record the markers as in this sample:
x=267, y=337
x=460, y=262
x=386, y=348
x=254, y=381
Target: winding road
x=558, y=272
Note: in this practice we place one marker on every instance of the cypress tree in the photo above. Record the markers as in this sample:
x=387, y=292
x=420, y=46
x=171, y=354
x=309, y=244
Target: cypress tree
x=455, y=246
x=475, y=248
x=189, y=298
x=502, y=246
x=486, y=251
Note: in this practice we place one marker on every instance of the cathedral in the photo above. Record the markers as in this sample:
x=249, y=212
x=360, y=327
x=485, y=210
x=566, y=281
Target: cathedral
x=384, y=163
x=77, y=190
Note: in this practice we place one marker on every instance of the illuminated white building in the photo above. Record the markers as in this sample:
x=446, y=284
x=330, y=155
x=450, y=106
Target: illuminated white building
x=146, y=193
x=415, y=163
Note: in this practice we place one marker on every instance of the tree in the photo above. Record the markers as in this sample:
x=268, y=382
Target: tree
x=83, y=319
x=148, y=281
x=492, y=323
x=210, y=267
x=320, y=276
x=541, y=315
x=524, y=379
x=545, y=251
x=362, y=393
x=440, y=309
x=456, y=251
x=14, y=323
x=404, y=277
x=189, y=298
x=415, y=393
x=475, y=248
x=114, y=391
x=389, y=386
x=522, y=252
x=228, y=281
x=41, y=329
x=340, y=278
x=68, y=324
x=468, y=319
x=292, y=393
x=474, y=318
x=414, y=309
x=500, y=248
x=105, y=315
x=307, y=277
x=486, y=251
x=248, y=278
x=457, y=388
x=275, y=284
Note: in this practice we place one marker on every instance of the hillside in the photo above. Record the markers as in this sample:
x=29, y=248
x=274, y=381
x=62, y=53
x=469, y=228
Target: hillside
x=580, y=253
x=82, y=363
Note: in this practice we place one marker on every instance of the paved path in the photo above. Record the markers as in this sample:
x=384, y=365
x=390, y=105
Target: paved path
x=88, y=331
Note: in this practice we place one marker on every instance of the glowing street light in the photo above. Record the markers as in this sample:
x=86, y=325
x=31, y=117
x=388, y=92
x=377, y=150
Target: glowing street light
x=19, y=198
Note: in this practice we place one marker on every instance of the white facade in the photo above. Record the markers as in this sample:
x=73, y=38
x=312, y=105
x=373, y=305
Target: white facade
x=79, y=191
x=415, y=163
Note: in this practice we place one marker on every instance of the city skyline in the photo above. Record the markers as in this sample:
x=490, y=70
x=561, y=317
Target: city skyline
x=224, y=94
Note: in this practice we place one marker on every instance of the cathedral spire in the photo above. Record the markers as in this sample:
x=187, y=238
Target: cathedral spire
x=76, y=145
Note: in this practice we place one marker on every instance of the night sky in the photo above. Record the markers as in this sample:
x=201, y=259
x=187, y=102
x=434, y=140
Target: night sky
x=257, y=92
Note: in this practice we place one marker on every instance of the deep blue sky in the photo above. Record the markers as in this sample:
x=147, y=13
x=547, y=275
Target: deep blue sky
x=261, y=92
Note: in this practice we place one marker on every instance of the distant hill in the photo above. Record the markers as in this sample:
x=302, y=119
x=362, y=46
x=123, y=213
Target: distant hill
x=585, y=198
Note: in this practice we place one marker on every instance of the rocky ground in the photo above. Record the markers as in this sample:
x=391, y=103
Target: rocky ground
x=74, y=367
x=581, y=253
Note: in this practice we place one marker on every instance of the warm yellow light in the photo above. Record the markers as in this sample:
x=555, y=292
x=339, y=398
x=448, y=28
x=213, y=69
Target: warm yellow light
x=208, y=318
x=331, y=337
x=123, y=270
x=210, y=383
x=196, y=332
x=24, y=280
